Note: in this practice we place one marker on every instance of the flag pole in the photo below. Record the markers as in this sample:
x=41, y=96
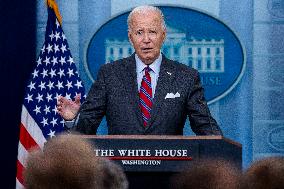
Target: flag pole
x=52, y=4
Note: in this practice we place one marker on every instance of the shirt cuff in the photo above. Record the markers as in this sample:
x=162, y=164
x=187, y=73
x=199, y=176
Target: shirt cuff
x=72, y=123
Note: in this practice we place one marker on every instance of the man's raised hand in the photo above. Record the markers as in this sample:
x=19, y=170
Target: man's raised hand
x=68, y=109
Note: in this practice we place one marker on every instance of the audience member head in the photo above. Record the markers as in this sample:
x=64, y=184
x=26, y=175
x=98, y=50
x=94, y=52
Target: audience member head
x=68, y=161
x=208, y=174
x=265, y=173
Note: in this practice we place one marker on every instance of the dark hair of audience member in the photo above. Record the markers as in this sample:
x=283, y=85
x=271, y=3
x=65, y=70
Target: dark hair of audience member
x=208, y=174
x=267, y=173
x=69, y=161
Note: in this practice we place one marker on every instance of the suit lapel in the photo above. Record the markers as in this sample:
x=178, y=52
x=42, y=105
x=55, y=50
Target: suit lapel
x=128, y=76
x=166, y=77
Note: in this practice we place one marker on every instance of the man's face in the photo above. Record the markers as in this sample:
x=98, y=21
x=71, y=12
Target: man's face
x=147, y=35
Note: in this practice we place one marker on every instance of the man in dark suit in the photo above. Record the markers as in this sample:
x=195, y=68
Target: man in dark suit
x=145, y=93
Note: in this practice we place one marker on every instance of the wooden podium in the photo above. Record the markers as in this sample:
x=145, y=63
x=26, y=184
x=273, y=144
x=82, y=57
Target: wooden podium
x=150, y=160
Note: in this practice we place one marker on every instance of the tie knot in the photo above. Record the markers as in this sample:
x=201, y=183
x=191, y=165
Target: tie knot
x=147, y=69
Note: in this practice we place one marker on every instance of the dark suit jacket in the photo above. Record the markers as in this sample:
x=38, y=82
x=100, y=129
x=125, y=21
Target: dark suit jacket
x=115, y=95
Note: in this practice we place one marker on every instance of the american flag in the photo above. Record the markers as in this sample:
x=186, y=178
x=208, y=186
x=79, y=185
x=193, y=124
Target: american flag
x=55, y=74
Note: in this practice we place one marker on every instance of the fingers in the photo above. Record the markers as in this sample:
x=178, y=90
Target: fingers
x=77, y=98
x=63, y=102
x=60, y=102
x=67, y=107
x=61, y=99
x=59, y=110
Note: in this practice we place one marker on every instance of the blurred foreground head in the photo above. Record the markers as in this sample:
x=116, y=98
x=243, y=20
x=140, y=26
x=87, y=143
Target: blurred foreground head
x=264, y=174
x=68, y=161
x=208, y=174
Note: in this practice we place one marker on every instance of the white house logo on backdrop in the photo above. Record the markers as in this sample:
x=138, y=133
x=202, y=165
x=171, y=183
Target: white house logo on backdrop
x=194, y=38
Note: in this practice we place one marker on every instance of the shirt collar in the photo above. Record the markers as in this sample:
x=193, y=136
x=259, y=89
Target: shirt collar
x=155, y=66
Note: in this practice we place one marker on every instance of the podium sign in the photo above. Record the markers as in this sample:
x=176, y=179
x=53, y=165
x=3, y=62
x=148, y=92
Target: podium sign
x=144, y=153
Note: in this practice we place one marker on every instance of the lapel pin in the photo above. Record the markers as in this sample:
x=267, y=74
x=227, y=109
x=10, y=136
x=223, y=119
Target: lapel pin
x=169, y=73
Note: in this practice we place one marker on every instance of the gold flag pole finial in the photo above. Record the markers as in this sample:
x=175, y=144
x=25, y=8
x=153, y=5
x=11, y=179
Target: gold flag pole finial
x=52, y=4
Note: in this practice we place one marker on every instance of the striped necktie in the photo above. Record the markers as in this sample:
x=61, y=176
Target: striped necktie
x=145, y=95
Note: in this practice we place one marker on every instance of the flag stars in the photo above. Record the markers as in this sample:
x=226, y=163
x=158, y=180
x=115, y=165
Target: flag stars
x=49, y=48
x=31, y=86
x=48, y=97
x=29, y=98
x=44, y=121
x=54, y=122
x=70, y=72
x=62, y=122
x=57, y=23
x=51, y=36
x=57, y=96
x=69, y=84
x=55, y=109
x=62, y=60
x=42, y=85
x=46, y=109
x=63, y=48
x=47, y=60
x=52, y=73
x=50, y=85
x=35, y=73
x=37, y=110
x=57, y=36
x=39, y=98
x=61, y=73
x=44, y=73
x=56, y=48
x=39, y=61
x=42, y=49
x=68, y=96
x=51, y=133
x=78, y=84
x=63, y=36
x=59, y=85
x=70, y=60
x=54, y=60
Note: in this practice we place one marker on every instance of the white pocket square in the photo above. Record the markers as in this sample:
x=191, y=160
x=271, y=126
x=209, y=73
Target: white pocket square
x=172, y=95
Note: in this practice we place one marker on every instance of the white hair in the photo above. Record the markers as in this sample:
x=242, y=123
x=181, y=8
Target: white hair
x=143, y=10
